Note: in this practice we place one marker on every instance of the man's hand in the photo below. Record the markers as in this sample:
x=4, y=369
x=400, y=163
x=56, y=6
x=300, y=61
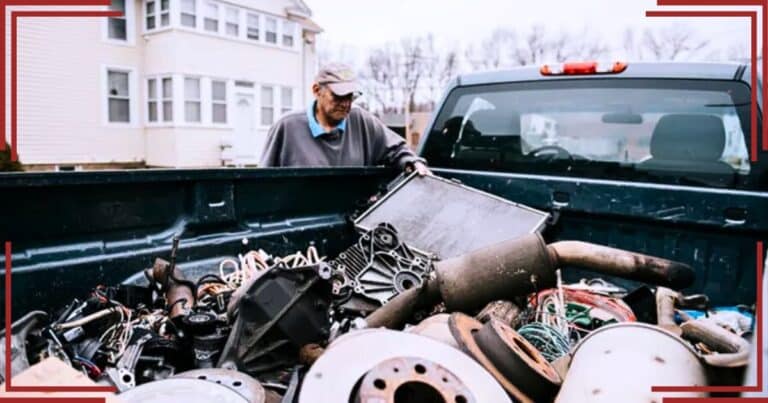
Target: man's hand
x=419, y=167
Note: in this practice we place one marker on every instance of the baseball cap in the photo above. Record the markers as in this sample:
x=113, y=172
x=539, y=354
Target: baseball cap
x=340, y=78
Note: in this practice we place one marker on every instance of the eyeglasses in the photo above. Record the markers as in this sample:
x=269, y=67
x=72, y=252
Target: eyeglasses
x=342, y=98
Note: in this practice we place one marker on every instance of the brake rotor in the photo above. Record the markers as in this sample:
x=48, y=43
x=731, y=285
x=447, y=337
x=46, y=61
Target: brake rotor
x=181, y=390
x=412, y=379
x=245, y=385
x=463, y=328
x=518, y=360
x=333, y=377
x=435, y=327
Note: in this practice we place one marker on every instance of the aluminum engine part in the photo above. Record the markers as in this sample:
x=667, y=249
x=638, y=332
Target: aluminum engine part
x=463, y=329
x=182, y=390
x=333, y=377
x=380, y=266
x=622, y=362
x=519, y=361
x=123, y=374
x=244, y=385
x=412, y=379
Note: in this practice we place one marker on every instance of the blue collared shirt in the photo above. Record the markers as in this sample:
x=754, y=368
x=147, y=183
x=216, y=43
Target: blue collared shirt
x=315, y=127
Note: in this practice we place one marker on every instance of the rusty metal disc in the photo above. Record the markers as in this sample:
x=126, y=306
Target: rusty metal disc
x=181, y=390
x=245, y=385
x=464, y=328
x=518, y=360
x=334, y=376
x=412, y=379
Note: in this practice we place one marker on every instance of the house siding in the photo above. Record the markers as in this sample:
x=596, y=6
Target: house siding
x=61, y=93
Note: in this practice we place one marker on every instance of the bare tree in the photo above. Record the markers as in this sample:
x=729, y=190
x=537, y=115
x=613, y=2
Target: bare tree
x=531, y=49
x=380, y=75
x=632, y=48
x=539, y=46
x=493, y=52
x=673, y=42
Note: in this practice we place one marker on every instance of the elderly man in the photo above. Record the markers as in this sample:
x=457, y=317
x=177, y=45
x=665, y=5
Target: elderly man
x=333, y=133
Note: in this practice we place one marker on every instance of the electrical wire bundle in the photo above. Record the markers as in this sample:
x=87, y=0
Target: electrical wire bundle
x=547, y=339
x=234, y=273
x=559, y=317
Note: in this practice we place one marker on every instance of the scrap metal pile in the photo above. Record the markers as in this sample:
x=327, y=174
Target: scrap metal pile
x=388, y=321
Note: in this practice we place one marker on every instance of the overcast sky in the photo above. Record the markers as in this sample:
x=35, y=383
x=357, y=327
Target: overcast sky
x=367, y=23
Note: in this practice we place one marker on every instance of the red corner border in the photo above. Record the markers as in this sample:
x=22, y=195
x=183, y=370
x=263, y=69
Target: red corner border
x=752, y=15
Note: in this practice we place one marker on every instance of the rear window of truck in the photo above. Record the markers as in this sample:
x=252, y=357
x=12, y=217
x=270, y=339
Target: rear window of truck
x=686, y=132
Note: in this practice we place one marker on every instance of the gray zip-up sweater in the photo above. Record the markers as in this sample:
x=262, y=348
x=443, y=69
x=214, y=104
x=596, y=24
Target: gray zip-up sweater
x=365, y=142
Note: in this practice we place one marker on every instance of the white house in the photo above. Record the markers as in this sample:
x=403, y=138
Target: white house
x=173, y=83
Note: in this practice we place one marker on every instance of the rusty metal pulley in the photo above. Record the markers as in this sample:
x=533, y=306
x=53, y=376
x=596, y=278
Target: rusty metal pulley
x=463, y=328
x=519, y=361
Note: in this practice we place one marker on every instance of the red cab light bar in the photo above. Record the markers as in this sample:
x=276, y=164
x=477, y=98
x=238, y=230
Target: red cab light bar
x=582, y=68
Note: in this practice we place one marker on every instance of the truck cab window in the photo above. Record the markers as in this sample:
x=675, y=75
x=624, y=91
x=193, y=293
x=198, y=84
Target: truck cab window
x=673, y=131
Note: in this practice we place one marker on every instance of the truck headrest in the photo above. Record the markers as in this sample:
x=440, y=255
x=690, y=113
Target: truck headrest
x=695, y=137
x=497, y=122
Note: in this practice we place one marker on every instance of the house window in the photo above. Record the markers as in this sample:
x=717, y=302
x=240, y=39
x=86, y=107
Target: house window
x=117, y=26
x=160, y=99
x=165, y=13
x=118, y=96
x=253, y=26
x=267, y=106
x=167, y=96
x=152, y=100
x=289, y=29
x=286, y=100
x=211, y=21
x=233, y=21
x=188, y=13
x=219, y=101
x=271, y=30
x=192, y=100
x=154, y=9
x=150, y=11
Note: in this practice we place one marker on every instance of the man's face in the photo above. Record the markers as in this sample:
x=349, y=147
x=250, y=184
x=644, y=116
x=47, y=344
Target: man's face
x=334, y=107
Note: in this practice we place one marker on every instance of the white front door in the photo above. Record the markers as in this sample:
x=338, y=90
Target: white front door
x=247, y=144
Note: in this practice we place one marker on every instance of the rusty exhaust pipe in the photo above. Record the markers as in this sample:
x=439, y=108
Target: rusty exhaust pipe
x=520, y=266
x=622, y=263
x=179, y=292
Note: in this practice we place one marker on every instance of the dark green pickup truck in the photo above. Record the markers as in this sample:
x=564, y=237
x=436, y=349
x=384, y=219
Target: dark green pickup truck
x=653, y=158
